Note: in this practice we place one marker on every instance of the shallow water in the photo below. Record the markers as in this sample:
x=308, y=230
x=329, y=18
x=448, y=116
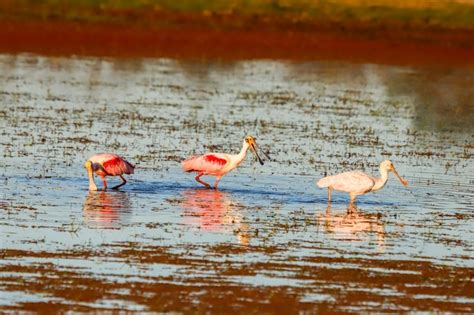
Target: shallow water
x=264, y=242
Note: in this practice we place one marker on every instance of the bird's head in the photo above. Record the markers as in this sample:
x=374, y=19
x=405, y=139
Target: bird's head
x=90, y=168
x=252, y=144
x=88, y=165
x=389, y=167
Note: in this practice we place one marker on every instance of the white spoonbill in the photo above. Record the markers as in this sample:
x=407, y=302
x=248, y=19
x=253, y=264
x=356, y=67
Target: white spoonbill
x=219, y=164
x=107, y=164
x=357, y=183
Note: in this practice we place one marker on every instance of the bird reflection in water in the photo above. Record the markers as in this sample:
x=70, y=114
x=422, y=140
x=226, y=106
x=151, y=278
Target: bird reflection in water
x=214, y=211
x=106, y=210
x=353, y=226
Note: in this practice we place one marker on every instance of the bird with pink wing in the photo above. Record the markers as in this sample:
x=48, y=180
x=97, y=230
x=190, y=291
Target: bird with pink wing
x=219, y=164
x=107, y=164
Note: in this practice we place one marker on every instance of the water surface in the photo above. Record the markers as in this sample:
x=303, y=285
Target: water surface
x=265, y=241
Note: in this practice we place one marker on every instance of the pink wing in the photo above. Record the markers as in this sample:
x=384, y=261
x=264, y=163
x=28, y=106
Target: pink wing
x=208, y=163
x=113, y=164
x=354, y=181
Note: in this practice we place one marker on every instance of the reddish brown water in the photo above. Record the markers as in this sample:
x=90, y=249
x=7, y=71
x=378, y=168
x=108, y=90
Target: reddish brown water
x=198, y=37
x=264, y=243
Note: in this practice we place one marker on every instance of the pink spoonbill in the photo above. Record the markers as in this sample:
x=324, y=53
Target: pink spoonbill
x=107, y=164
x=357, y=183
x=219, y=164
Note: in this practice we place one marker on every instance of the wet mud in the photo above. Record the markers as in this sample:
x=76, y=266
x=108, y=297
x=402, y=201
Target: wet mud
x=263, y=243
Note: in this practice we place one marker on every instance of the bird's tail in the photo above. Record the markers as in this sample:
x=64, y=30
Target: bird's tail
x=130, y=167
x=188, y=164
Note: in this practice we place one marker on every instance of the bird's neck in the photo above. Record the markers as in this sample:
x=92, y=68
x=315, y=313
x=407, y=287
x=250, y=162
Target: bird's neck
x=381, y=181
x=92, y=185
x=242, y=154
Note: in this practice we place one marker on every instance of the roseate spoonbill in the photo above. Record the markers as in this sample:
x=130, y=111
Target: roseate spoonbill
x=107, y=164
x=219, y=164
x=358, y=183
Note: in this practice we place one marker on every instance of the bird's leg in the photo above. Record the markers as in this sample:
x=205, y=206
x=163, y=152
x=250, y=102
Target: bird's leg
x=197, y=178
x=218, y=178
x=329, y=196
x=353, y=198
x=352, y=208
x=328, y=211
x=120, y=185
x=105, y=183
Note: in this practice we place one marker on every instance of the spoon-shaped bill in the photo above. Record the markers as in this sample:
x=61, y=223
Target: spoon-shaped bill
x=253, y=147
x=403, y=181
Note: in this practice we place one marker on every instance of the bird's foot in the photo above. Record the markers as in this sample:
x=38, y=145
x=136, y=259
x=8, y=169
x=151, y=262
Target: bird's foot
x=328, y=209
x=118, y=186
x=351, y=209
